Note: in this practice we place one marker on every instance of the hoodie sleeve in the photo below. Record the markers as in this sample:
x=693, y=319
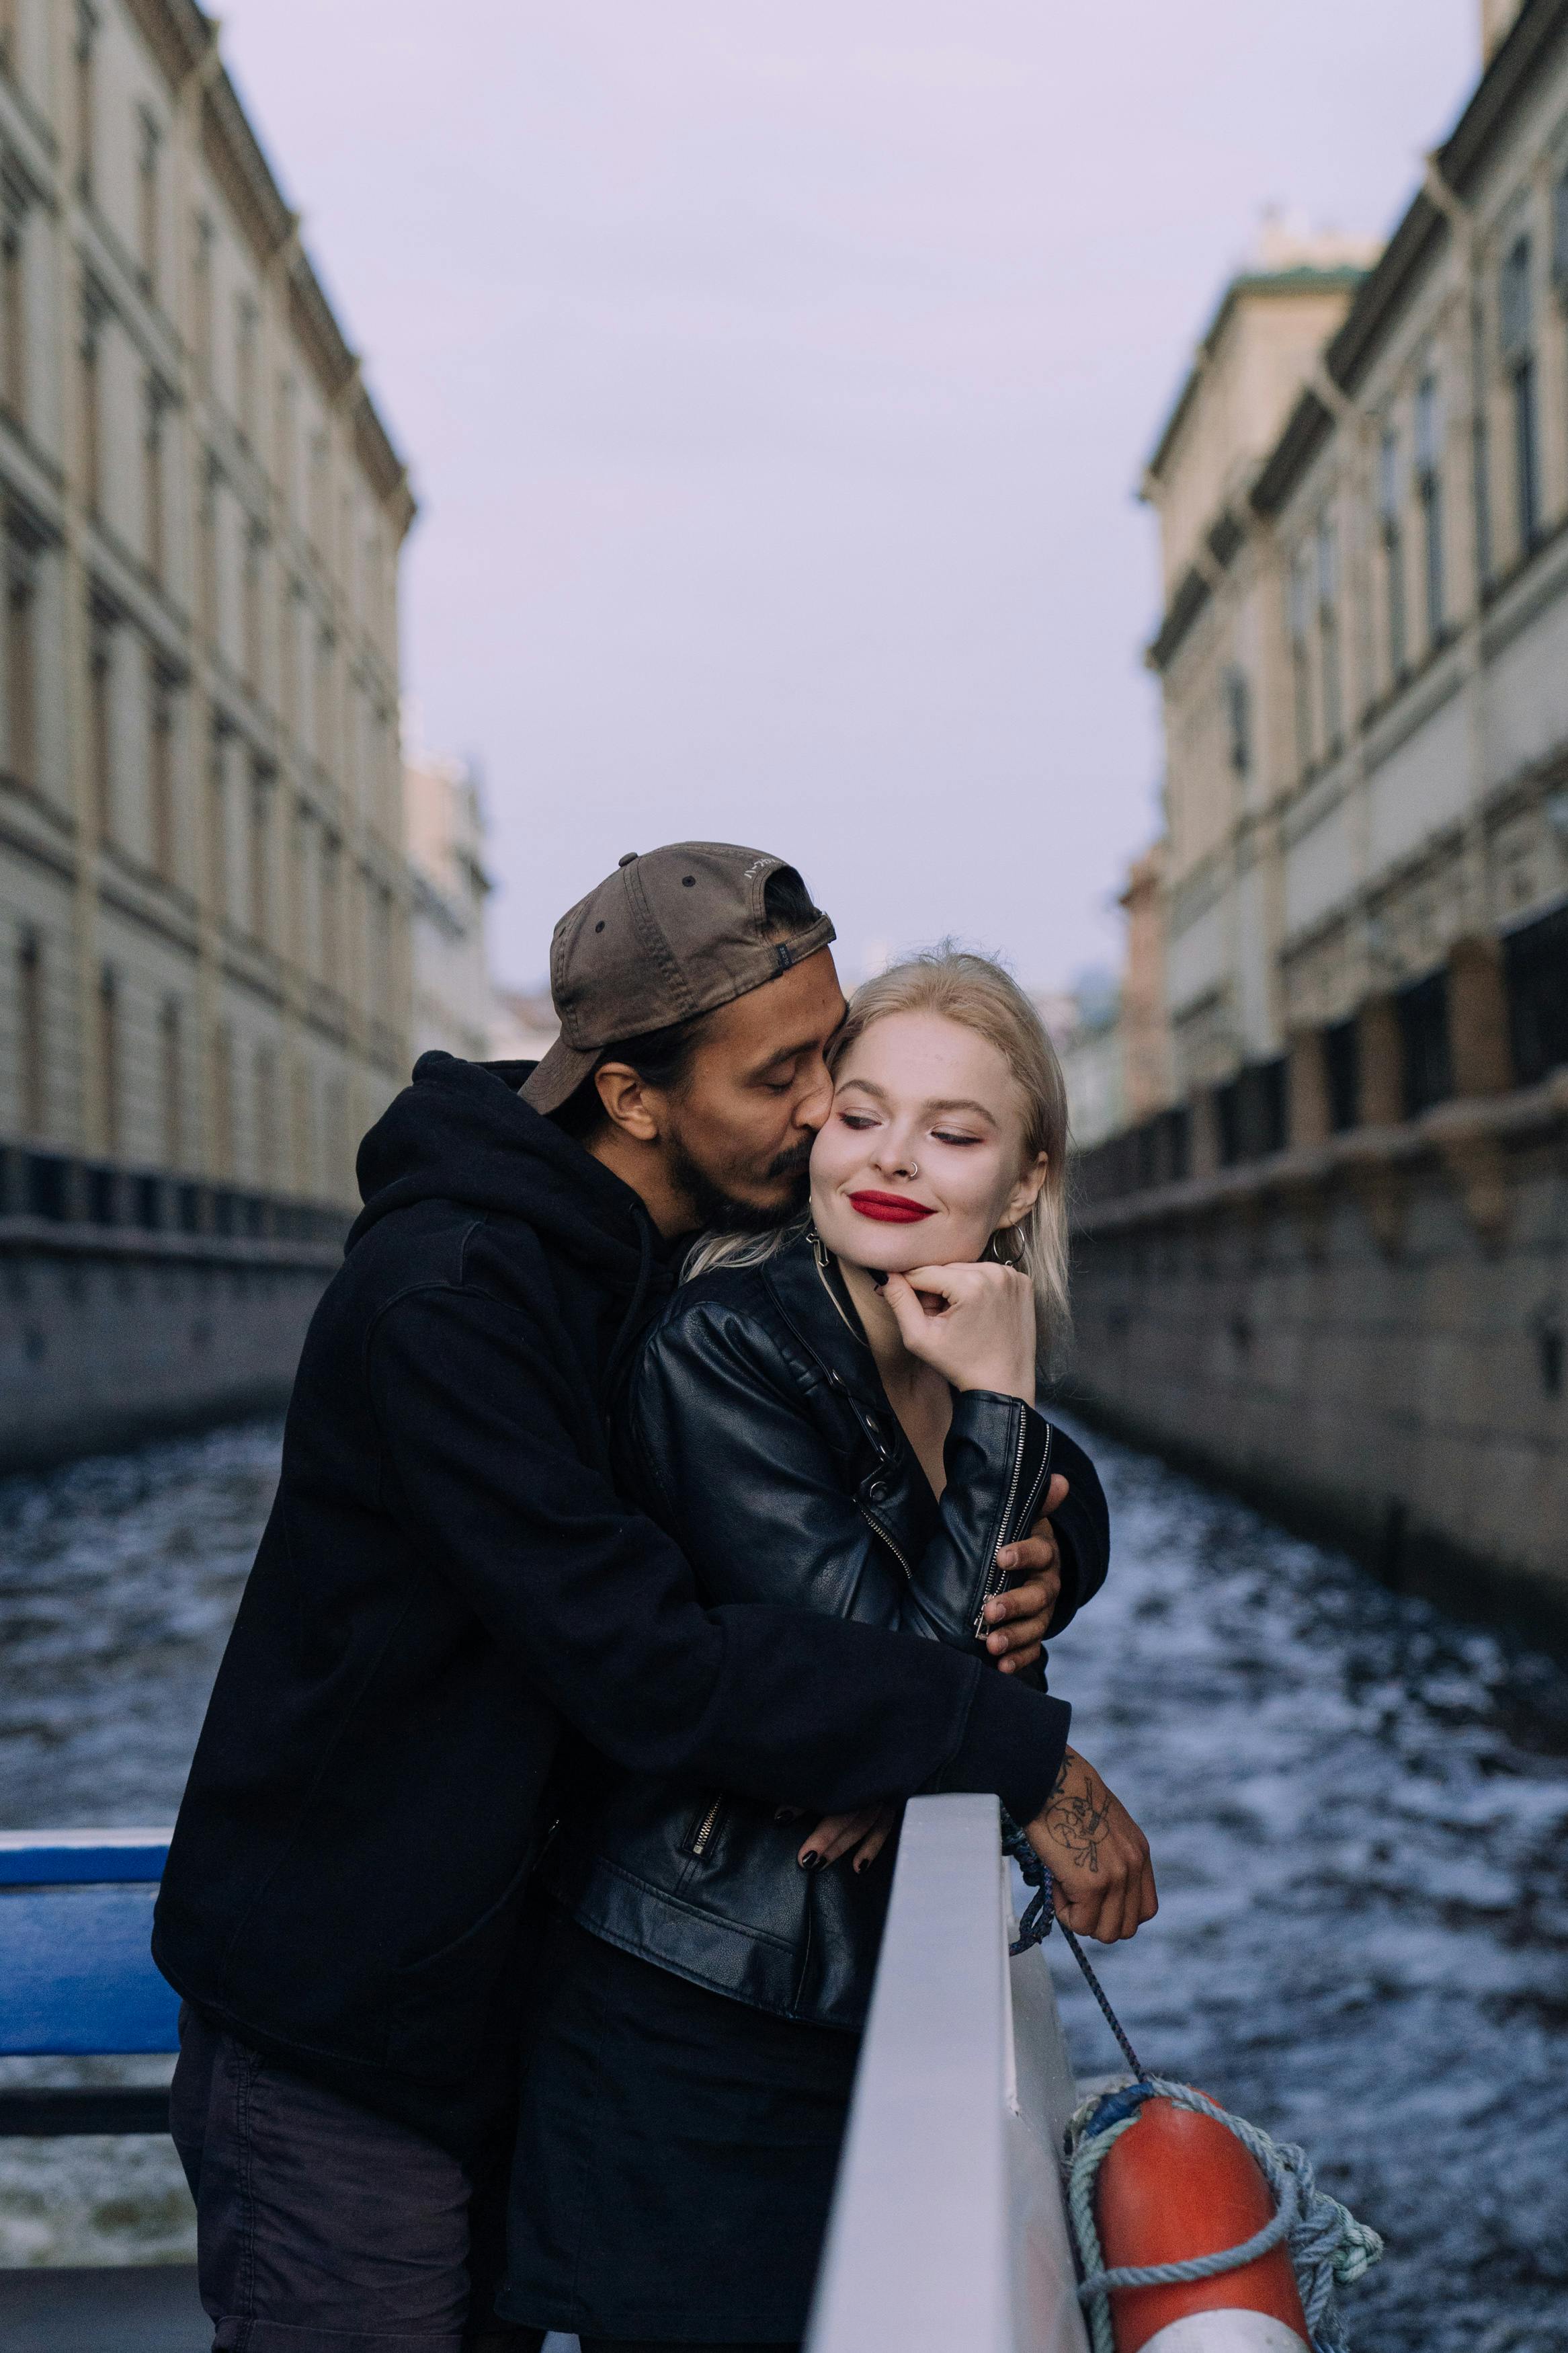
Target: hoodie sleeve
x=601, y=1609
x=1082, y=1527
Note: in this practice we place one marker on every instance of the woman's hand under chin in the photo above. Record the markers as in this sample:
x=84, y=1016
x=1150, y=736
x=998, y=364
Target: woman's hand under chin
x=974, y=1324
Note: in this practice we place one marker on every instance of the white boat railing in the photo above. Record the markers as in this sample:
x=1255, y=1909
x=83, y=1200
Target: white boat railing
x=949, y=2234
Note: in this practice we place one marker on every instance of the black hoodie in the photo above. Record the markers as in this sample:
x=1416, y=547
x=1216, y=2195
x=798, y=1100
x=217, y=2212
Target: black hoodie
x=447, y=1574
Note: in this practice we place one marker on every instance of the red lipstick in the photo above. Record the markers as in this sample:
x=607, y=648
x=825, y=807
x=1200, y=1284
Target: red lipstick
x=890, y=1209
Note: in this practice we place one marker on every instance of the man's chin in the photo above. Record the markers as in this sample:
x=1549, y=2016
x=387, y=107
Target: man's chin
x=720, y=1211
x=732, y=1214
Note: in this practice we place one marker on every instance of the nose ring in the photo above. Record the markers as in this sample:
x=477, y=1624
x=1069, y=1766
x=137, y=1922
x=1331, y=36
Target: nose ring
x=911, y=1169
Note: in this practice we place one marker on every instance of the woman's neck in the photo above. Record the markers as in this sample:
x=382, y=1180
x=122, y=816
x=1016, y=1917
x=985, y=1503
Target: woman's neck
x=886, y=1341
x=918, y=1394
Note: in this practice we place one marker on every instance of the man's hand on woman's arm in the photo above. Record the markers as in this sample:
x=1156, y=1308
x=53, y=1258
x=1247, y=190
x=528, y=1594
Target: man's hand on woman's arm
x=1097, y=1855
x=1020, y=1619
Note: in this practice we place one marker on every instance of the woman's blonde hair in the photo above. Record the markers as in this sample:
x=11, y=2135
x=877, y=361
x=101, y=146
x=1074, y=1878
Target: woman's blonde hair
x=975, y=992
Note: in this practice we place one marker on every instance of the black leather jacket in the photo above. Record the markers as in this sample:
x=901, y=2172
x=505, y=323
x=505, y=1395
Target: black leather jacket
x=758, y=1433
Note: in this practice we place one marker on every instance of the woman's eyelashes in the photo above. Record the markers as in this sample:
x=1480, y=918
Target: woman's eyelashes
x=861, y=1122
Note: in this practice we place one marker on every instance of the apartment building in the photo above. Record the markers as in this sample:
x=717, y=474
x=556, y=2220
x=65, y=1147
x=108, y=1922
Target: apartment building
x=1362, y=497
x=204, y=899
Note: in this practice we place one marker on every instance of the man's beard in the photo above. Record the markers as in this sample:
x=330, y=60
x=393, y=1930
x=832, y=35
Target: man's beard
x=720, y=1212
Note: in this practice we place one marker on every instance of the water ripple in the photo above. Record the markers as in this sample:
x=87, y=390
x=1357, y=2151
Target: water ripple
x=1358, y=1809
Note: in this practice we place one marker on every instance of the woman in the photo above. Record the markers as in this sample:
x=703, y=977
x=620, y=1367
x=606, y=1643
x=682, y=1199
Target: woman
x=815, y=1428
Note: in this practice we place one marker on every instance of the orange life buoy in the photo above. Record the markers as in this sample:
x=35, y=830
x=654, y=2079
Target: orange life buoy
x=1177, y=2185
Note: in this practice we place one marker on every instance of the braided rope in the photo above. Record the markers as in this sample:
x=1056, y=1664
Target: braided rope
x=1329, y=2248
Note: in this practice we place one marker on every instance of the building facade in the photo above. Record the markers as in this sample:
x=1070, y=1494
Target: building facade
x=203, y=896
x=452, y=1002
x=1353, y=1188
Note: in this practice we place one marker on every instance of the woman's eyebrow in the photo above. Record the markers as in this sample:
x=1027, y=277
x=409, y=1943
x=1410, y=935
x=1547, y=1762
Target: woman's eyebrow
x=963, y=1103
x=938, y=1103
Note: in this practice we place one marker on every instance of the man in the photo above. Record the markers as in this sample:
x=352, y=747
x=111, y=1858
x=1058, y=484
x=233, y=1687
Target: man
x=448, y=1576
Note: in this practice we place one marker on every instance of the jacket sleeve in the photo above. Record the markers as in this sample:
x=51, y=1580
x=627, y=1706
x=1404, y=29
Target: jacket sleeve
x=748, y=1483
x=479, y=1454
x=1082, y=1526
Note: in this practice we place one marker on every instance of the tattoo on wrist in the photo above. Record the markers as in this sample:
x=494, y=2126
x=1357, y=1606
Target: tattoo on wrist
x=1074, y=1815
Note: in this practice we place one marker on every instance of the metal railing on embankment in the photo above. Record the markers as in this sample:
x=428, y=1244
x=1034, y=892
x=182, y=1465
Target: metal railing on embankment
x=60, y=1188
x=948, y=2232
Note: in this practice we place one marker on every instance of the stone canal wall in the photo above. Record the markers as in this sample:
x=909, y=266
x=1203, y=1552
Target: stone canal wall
x=1368, y=1336
x=132, y=1305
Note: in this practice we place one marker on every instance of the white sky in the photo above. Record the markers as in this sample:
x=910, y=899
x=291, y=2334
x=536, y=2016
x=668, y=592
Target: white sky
x=775, y=380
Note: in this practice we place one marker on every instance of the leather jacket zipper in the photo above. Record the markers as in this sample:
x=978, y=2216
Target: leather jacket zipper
x=874, y=1523
x=703, y=1835
x=994, y=1576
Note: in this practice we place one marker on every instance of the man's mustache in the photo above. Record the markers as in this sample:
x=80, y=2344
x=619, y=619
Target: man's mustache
x=794, y=1163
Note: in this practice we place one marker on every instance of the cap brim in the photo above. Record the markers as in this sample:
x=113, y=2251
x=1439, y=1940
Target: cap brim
x=559, y=1076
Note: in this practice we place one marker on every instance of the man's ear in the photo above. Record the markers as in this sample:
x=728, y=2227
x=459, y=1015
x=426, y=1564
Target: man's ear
x=626, y=1102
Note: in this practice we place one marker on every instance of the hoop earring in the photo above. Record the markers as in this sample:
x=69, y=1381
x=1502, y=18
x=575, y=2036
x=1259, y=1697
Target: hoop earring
x=993, y=1249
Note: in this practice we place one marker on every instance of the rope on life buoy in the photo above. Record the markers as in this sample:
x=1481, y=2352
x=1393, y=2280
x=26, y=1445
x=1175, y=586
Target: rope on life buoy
x=1328, y=2246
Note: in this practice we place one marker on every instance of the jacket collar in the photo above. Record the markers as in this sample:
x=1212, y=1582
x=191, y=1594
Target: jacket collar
x=814, y=1300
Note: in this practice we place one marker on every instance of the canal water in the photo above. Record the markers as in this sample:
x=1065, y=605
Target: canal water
x=1358, y=1808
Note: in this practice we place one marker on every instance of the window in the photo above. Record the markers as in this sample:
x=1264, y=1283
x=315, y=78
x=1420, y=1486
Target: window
x=86, y=30
x=21, y=673
x=262, y=858
x=1422, y=1009
x=331, y=913
x=1239, y=720
x=1342, y=1070
x=217, y=839
x=152, y=479
x=250, y=583
x=287, y=456
x=288, y=656
x=161, y=773
x=207, y=555
x=147, y=204
x=316, y=521
x=1328, y=570
x=109, y=1076
x=13, y=314
x=100, y=682
x=323, y=746
x=1300, y=607
x=1560, y=230
x=223, y=1099
x=1429, y=476
x=90, y=421
x=1515, y=326
x=30, y=1105
x=267, y=1120
x=245, y=321
x=202, y=295
x=1390, y=503
x=1535, y=968
x=171, y=1073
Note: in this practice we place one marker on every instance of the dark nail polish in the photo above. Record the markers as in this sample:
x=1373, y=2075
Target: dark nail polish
x=878, y=1282
x=784, y=1814
x=809, y=1862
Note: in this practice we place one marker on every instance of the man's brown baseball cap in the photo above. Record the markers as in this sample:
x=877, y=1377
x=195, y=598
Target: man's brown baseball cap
x=669, y=935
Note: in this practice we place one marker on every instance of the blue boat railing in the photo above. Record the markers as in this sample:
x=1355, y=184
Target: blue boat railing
x=77, y=1977
x=948, y=2225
